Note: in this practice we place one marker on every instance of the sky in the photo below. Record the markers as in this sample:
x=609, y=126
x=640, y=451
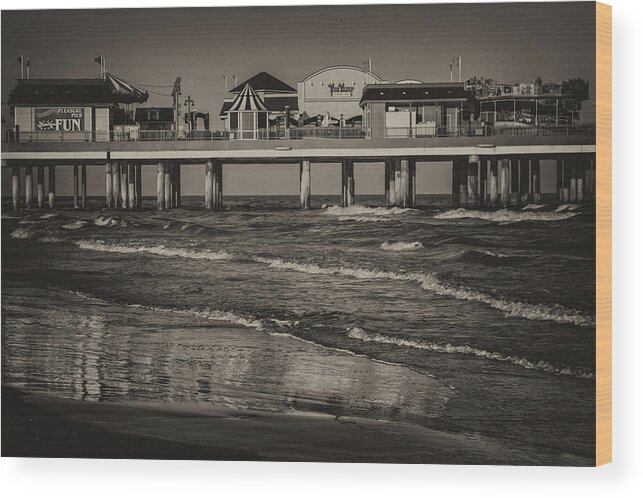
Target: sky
x=505, y=41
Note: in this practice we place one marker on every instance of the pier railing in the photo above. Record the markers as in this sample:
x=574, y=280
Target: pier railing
x=485, y=130
x=295, y=133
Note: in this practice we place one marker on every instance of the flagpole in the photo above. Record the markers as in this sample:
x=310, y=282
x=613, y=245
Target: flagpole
x=28, y=64
x=460, y=69
x=21, y=58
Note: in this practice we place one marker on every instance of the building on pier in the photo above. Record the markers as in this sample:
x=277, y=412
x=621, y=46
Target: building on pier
x=530, y=104
x=332, y=95
x=247, y=116
x=416, y=110
x=75, y=109
x=277, y=96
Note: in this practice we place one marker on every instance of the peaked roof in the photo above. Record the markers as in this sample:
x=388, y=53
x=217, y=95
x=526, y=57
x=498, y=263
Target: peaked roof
x=248, y=100
x=265, y=82
x=70, y=91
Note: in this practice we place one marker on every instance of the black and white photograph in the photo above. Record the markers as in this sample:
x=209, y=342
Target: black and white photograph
x=357, y=234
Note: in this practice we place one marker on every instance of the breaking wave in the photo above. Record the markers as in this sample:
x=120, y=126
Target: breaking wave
x=109, y=221
x=23, y=233
x=401, y=246
x=357, y=210
x=430, y=282
x=208, y=314
x=504, y=215
x=33, y=234
x=532, y=207
x=362, y=335
x=74, y=225
x=98, y=245
x=566, y=207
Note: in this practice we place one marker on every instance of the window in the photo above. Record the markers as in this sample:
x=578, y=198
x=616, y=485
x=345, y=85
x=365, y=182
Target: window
x=234, y=121
x=262, y=120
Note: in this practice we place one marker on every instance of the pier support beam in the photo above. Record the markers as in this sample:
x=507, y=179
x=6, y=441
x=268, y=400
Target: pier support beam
x=304, y=184
x=116, y=184
x=217, y=184
x=40, y=187
x=389, y=182
x=124, y=185
x=412, y=182
x=167, y=187
x=503, y=177
x=160, y=186
x=28, y=187
x=109, y=186
x=493, y=182
x=131, y=185
x=138, y=169
x=560, y=179
x=348, y=183
x=52, y=186
x=83, y=186
x=15, y=187
x=514, y=179
x=403, y=200
x=209, y=186
x=472, y=180
x=75, y=185
x=534, y=179
x=177, y=184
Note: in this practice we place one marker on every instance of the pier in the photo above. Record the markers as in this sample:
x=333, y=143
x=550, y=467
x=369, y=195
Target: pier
x=491, y=172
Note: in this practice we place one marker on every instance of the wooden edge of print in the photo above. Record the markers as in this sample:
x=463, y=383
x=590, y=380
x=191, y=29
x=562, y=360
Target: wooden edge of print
x=603, y=233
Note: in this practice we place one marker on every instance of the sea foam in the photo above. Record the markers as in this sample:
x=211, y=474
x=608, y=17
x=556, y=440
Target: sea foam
x=430, y=282
x=504, y=215
x=98, y=245
x=401, y=246
x=357, y=210
x=362, y=335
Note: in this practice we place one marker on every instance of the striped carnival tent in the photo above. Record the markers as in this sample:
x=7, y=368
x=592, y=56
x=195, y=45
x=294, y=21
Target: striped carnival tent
x=247, y=115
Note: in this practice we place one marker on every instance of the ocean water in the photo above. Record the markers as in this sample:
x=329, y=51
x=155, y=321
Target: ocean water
x=471, y=321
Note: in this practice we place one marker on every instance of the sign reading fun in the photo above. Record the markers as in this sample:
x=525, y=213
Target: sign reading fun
x=60, y=119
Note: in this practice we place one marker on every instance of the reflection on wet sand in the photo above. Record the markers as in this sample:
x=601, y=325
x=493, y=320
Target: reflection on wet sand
x=94, y=351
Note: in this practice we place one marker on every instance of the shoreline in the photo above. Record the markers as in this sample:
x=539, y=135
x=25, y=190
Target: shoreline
x=48, y=427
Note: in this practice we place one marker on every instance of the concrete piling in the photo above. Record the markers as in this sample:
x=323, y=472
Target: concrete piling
x=412, y=182
x=167, y=188
x=75, y=185
x=52, y=186
x=109, y=192
x=572, y=185
x=209, y=186
x=387, y=182
x=40, y=187
x=534, y=181
x=160, y=186
x=116, y=184
x=348, y=183
x=15, y=187
x=503, y=177
x=83, y=186
x=177, y=184
x=472, y=180
x=131, y=185
x=217, y=188
x=403, y=200
x=28, y=187
x=138, y=170
x=493, y=183
x=304, y=184
x=124, y=185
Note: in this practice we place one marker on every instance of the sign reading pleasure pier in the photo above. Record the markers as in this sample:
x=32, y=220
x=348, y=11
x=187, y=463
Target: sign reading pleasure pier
x=60, y=119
